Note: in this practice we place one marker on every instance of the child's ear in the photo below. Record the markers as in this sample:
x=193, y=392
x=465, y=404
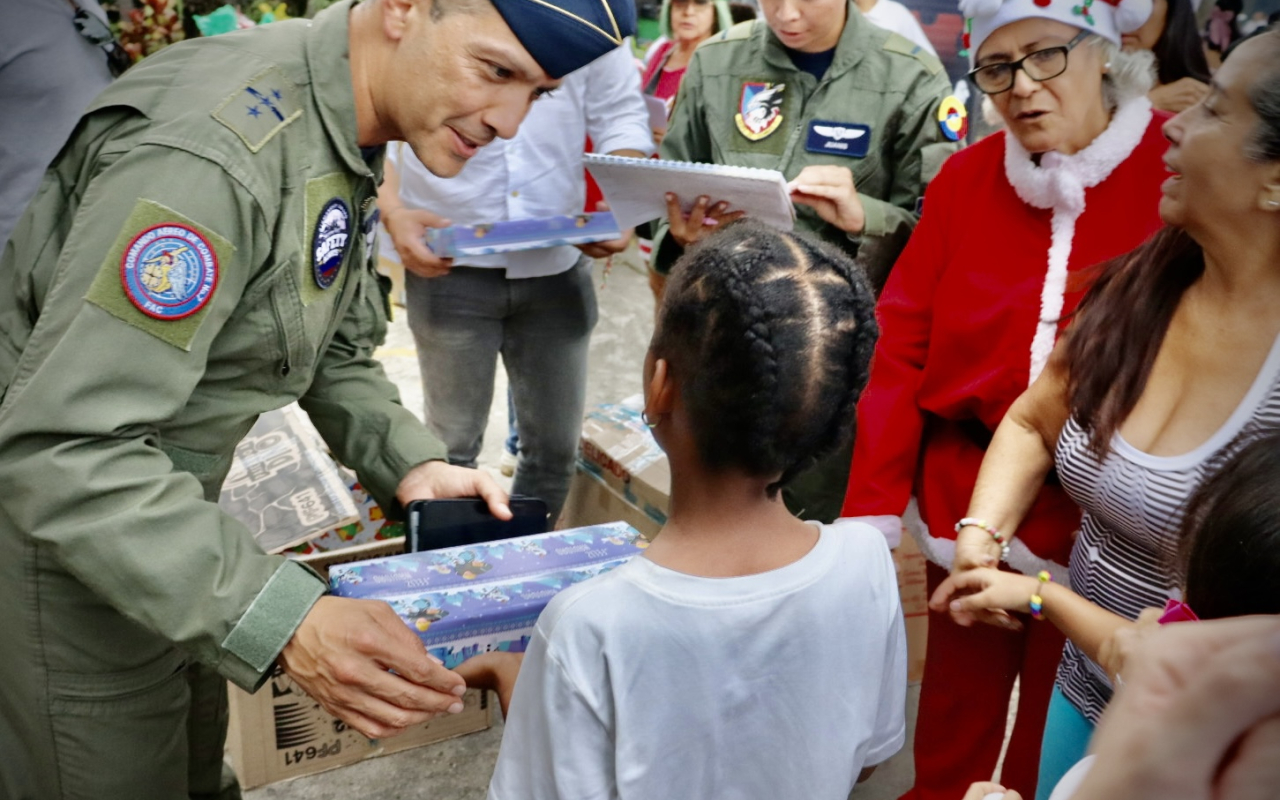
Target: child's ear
x=661, y=390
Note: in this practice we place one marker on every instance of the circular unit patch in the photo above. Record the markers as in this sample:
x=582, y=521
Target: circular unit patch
x=953, y=119
x=169, y=271
x=329, y=242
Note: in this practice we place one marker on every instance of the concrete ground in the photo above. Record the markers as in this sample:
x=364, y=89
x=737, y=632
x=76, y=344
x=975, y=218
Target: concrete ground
x=459, y=769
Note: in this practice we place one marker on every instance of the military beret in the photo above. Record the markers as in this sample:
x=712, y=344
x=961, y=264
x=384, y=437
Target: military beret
x=565, y=35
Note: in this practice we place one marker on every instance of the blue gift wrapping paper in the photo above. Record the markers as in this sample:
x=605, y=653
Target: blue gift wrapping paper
x=504, y=560
x=460, y=622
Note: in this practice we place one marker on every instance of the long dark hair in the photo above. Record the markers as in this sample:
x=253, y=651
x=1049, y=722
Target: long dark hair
x=1230, y=549
x=1120, y=325
x=1179, y=51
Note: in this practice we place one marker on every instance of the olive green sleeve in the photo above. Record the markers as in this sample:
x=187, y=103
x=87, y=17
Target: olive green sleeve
x=81, y=461
x=357, y=409
x=918, y=152
x=687, y=139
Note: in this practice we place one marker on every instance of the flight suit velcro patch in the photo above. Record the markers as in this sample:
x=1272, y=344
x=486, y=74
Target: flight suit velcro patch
x=762, y=109
x=742, y=30
x=260, y=109
x=906, y=47
x=161, y=273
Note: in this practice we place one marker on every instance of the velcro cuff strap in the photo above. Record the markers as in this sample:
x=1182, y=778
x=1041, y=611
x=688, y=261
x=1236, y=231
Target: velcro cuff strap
x=274, y=615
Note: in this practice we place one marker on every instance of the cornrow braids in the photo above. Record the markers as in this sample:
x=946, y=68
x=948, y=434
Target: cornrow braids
x=770, y=336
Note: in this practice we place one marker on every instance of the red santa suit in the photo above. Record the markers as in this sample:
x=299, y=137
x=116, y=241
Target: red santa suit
x=969, y=316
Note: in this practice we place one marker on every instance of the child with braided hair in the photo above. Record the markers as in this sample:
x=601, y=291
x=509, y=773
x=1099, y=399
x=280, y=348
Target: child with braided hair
x=677, y=674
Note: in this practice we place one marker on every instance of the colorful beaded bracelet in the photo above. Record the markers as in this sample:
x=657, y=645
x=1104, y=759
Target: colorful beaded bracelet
x=1037, y=601
x=989, y=528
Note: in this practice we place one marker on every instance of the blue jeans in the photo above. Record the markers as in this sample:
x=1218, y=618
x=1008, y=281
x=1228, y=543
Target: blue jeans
x=541, y=327
x=512, y=444
x=1066, y=739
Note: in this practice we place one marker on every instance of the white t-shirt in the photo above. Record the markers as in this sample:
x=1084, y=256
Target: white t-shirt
x=894, y=16
x=648, y=683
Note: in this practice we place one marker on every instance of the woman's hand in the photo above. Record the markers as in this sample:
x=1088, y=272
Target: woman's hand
x=985, y=595
x=1178, y=96
x=975, y=548
x=703, y=218
x=830, y=191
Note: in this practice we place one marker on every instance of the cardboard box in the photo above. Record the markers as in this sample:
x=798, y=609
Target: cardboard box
x=619, y=451
x=371, y=525
x=283, y=486
x=591, y=501
x=281, y=733
x=914, y=588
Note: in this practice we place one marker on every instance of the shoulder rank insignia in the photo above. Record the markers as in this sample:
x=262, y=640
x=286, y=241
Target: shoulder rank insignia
x=759, y=109
x=903, y=46
x=329, y=241
x=169, y=271
x=953, y=119
x=259, y=110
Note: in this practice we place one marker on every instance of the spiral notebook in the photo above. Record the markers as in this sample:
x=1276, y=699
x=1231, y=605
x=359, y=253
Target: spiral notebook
x=636, y=188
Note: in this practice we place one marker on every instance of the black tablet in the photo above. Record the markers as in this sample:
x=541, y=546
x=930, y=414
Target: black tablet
x=433, y=524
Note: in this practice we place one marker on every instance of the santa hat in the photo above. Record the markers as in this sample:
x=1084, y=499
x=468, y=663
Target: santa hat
x=1106, y=18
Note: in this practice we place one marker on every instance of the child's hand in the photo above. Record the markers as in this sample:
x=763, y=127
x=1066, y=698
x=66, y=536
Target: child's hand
x=985, y=789
x=985, y=595
x=1122, y=644
x=496, y=671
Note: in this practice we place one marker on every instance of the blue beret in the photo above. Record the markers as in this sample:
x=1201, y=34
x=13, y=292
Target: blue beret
x=565, y=35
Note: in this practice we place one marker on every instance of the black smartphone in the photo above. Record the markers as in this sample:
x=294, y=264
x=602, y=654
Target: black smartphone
x=433, y=524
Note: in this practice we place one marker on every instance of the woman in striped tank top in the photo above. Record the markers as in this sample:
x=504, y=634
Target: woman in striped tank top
x=1171, y=365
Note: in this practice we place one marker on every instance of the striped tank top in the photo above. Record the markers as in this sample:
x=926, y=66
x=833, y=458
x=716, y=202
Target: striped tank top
x=1124, y=556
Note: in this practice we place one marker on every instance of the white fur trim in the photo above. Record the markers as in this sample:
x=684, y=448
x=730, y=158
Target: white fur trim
x=1059, y=182
x=943, y=553
x=1104, y=18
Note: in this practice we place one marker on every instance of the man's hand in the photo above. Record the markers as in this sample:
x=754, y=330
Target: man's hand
x=1178, y=96
x=363, y=664
x=610, y=247
x=435, y=480
x=493, y=671
x=1198, y=716
x=702, y=219
x=830, y=191
x=407, y=226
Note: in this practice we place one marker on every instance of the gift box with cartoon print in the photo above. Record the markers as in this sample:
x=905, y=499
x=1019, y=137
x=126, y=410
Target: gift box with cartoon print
x=490, y=562
x=460, y=622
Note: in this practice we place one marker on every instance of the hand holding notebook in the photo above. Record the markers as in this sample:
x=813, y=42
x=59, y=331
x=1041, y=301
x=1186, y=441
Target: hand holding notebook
x=636, y=188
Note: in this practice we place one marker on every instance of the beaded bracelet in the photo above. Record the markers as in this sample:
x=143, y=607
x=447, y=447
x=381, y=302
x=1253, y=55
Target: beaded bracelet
x=1037, y=601
x=989, y=528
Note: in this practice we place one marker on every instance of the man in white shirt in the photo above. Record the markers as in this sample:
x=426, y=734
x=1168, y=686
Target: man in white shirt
x=535, y=307
x=894, y=16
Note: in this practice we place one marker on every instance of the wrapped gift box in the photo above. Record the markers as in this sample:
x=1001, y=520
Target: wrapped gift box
x=507, y=559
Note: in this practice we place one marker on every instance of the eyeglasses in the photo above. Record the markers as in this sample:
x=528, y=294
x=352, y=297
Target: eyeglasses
x=1039, y=66
x=96, y=32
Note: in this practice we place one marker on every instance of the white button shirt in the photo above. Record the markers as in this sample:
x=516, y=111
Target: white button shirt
x=539, y=172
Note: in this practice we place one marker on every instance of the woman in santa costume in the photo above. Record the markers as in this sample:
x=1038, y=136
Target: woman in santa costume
x=1009, y=232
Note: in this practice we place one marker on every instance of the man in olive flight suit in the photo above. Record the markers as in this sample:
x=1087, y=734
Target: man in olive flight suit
x=858, y=119
x=197, y=254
